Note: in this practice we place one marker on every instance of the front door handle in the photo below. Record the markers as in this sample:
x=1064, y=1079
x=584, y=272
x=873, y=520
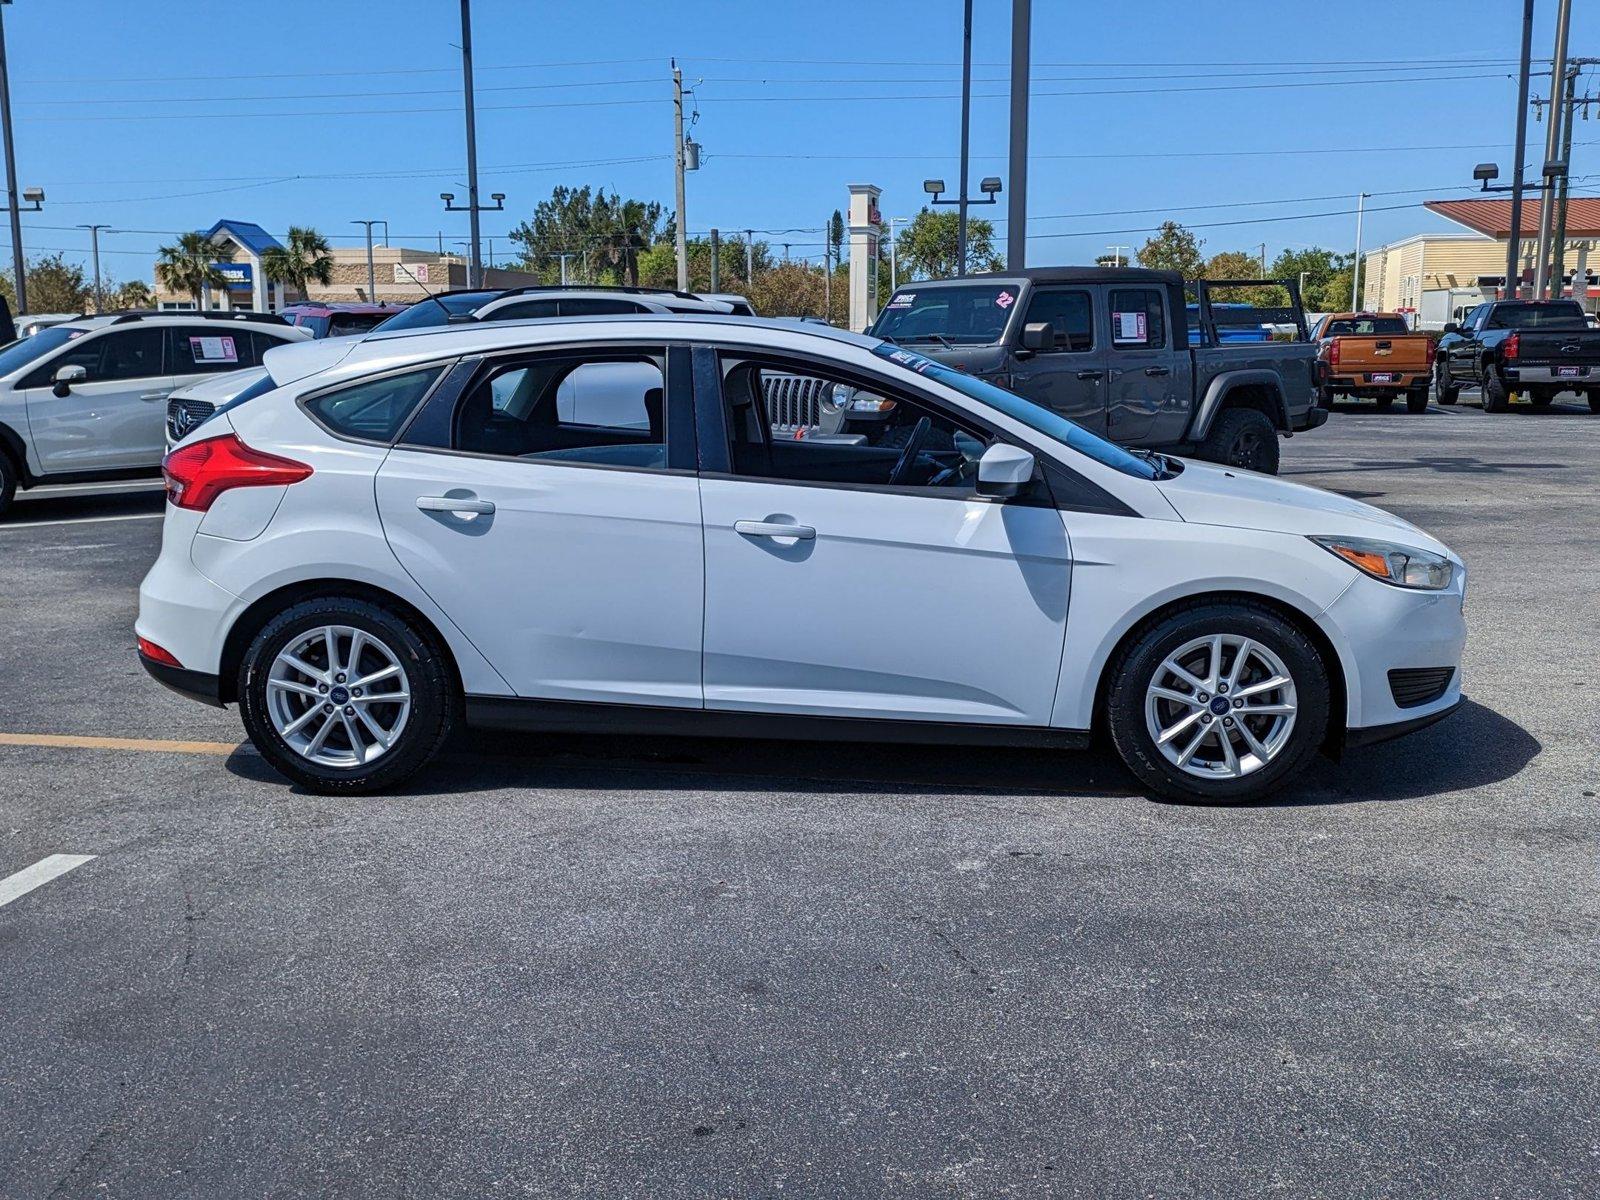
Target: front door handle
x=774, y=529
x=1091, y=374
x=455, y=504
x=1158, y=371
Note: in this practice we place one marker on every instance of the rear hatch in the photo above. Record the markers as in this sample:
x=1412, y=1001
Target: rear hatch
x=1573, y=354
x=1381, y=358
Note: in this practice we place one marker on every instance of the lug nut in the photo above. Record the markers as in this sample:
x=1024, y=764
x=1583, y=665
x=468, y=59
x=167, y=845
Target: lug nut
x=339, y=678
x=328, y=708
x=1202, y=697
x=1222, y=687
x=1238, y=703
x=350, y=712
x=357, y=692
x=1206, y=719
x=1228, y=722
x=322, y=687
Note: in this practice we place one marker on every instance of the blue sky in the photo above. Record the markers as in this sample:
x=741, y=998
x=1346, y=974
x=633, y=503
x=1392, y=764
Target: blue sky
x=156, y=116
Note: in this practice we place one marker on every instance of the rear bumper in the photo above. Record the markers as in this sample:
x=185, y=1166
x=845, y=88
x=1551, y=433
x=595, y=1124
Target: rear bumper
x=1312, y=418
x=1550, y=374
x=1401, y=381
x=196, y=685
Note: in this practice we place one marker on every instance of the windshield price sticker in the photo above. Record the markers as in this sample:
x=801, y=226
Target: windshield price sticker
x=903, y=300
x=1128, y=326
x=213, y=349
x=1005, y=299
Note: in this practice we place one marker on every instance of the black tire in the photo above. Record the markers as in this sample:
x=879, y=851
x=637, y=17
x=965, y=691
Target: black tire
x=1417, y=398
x=8, y=481
x=1136, y=668
x=1496, y=398
x=1444, y=391
x=1385, y=403
x=1242, y=437
x=434, y=693
x=1594, y=401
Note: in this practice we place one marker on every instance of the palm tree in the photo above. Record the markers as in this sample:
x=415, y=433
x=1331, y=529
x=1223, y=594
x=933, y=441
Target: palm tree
x=306, y=257
x=191, y=265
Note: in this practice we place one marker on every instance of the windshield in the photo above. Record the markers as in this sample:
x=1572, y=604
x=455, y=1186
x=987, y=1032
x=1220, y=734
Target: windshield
x=30, y=349
x=426, y=314
x=965, y=314
x=1034, y=416
x=1558, y=315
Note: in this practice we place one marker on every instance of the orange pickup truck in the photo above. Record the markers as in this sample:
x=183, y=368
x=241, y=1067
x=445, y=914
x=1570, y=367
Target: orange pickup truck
x=1373, y=356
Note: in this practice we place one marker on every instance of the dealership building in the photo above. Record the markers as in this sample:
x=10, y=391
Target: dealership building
x=402, y=275
x=1431, y=276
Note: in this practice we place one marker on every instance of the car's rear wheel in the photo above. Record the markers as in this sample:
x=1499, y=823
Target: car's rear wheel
x=1218, y=702
x=1417, y=397
x=1444, y=391
x=346, y=696
x=1243, y=437
x=8, y=482
x=1496, y=396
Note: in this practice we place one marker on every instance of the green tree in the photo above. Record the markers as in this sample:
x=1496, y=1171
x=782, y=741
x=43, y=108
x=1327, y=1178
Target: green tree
x=658, y=266
x=1173, y=248
x=1326, y=286
x=1241, y=264
x=306, y=257
x=613, y=231
x=791, y=289
x=190, y=265
x=135, y=293
x=836, y=234
x=54, y=285
x=928, y=248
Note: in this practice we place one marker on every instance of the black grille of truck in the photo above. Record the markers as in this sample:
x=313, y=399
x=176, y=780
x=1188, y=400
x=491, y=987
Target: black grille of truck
x=1413, y=686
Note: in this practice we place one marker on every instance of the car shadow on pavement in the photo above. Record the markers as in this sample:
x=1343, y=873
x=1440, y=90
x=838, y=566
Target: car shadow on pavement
x=1473, y=747
x=70, y=506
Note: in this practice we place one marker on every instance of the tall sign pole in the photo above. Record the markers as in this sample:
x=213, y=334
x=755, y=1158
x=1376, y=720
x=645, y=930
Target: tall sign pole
x=18, y=263
x=1552, y=150
x=680, y=220
x=1355, y=270
x=1513, y=288
x=1017, y=206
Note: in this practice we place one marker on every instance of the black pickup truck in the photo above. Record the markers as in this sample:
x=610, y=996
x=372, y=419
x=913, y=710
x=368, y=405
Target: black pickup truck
x=1539, y=347
x=1110, y=348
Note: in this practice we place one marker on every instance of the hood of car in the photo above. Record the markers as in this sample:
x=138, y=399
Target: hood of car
x=1207, y=494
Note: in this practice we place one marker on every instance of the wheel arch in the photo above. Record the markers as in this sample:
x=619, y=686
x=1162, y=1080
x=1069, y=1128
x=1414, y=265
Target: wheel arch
x=255, y=618
x=1258, y=389
x=1338, y=708
x=13, y=447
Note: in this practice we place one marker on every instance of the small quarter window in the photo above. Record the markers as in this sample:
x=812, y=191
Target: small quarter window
x=375, y=410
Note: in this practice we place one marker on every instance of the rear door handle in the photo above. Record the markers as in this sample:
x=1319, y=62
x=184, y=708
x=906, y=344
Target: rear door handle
x=455, y=504
x=1158, y=371
x=774, y=529
x=1091, y=374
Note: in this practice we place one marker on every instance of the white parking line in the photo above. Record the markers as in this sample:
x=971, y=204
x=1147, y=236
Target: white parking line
x=8, y=525
x=42, y=872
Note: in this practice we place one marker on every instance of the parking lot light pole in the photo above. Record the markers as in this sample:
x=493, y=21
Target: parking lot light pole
x=372, y=276
x=1552, y=150
x=1017, y=208
x=1513, y=285
x=18, y=263
x=1355, y=270
x=966, y=136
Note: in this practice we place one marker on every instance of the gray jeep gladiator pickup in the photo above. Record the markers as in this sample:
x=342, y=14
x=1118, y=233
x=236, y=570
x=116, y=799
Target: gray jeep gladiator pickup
x=1111, y=348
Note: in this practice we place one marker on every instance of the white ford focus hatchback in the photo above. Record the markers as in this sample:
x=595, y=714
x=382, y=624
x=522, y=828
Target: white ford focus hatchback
x=601, y=524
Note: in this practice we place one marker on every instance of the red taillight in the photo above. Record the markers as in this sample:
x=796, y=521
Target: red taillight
x=200, y=472
x=1333, y=355
x=1512, y=345
x=1432, y=350
x=158, y=654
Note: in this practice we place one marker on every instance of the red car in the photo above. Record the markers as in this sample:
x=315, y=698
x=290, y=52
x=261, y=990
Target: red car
x=338, y=320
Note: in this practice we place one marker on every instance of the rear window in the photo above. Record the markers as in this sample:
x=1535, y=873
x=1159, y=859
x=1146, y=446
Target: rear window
x=345, y=324
x=1359, y=326
x=375, y=409
x=1553, y=315
x=431, y=313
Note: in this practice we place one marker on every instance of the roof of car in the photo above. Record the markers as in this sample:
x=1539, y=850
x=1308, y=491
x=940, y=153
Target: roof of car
x=343, y=306
x=1067, y=275
x=222, y=320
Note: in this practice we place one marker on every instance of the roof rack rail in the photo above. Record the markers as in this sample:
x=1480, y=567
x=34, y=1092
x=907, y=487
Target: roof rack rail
x=189, y=314
x=599, y=287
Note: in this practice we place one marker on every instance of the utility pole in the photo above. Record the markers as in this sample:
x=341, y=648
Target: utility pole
x=94, y=244
x=680, y=221
x=894, y=260
x=716, y=260
x=749, y=257
x=1017, y=206
x=563, y=256
x=966, y=135
x=1552, y=150
x=827, y=271
x=1559, y=242
x=1116, y=254
x=19, y=265
x=372, y=274
x=1513, y=288
x=1355, y=269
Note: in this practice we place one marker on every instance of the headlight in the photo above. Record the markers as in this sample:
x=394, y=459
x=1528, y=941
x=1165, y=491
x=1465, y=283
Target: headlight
x=1403, y=566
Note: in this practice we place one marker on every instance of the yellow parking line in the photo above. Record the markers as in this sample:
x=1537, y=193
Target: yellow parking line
x=63, y=741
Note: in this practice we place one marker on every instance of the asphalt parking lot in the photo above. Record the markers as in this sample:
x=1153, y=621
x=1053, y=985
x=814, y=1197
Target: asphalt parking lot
x=615, y=966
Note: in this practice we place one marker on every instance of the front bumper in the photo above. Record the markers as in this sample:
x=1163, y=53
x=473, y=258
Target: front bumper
x=1372, y=734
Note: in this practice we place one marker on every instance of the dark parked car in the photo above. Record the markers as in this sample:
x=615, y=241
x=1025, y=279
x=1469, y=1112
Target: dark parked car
x=1110, y=348
x=1540, y=347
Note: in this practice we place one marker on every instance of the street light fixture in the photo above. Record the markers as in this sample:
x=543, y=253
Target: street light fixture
x=990, y=187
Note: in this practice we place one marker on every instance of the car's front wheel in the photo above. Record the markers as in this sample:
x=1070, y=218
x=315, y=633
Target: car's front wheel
x=1218, y=702
x=345, y=696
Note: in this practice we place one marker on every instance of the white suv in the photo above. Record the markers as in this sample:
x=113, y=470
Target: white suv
x=427, y=528
x=87, y=399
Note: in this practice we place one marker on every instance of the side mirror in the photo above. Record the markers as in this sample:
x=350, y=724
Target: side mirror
x=1004, y=470
x=1451, y=327
x=1038, y=335
x=66, y=376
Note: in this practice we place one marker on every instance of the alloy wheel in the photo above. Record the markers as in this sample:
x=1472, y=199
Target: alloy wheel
x=1221, y=707
x=338, y=696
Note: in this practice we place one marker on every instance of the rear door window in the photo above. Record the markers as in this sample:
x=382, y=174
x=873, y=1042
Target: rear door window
x=199, y=350
x=1138, y=319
